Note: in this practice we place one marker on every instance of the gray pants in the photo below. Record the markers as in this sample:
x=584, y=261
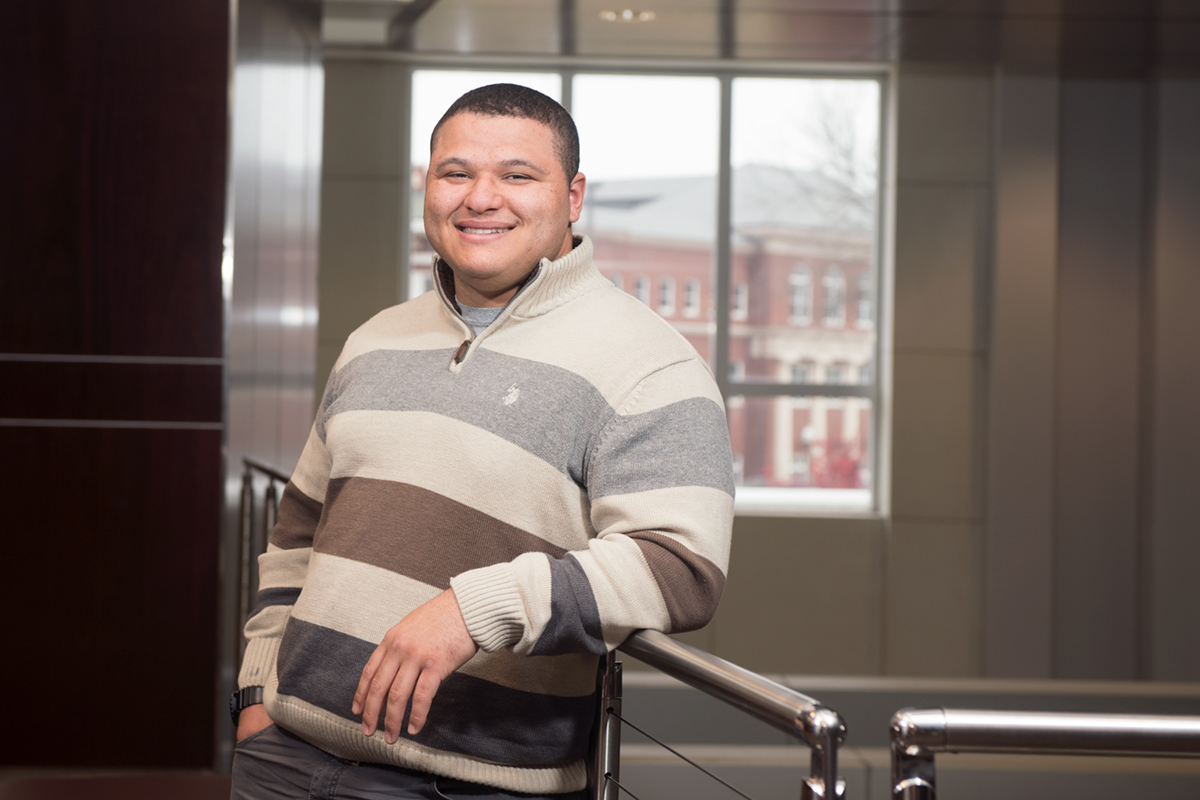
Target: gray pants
x=274, y=764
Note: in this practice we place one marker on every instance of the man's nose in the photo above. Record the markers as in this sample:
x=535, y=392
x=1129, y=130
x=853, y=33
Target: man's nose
x=484, y=195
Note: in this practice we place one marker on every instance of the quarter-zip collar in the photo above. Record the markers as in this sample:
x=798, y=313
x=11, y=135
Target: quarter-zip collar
x=551, y=284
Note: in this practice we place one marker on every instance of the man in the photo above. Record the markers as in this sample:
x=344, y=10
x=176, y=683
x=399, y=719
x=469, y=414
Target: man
x=506, y=477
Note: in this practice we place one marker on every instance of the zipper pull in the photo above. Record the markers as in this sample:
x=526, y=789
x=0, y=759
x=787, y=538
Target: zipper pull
x=462, y=352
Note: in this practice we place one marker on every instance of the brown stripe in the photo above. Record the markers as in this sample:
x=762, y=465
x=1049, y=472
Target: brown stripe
x=690, y=584
x=415, y=532
x=298, y=518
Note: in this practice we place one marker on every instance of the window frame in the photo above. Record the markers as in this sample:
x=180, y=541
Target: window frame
x=726, y=71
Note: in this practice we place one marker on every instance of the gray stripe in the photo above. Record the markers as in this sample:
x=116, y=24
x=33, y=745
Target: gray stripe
x=78, y=359
x=111, y=423
x=681, y=444
x=281, y=596
x=470, y=715
x=574, y=625
x=549, y=411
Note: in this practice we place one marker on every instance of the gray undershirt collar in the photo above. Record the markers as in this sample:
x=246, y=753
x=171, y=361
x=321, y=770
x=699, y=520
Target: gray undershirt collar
x=479, y=318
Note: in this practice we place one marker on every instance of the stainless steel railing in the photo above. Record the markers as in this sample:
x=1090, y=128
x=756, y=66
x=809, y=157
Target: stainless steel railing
x=919, y=734
x=252, y=537
x=798, y=715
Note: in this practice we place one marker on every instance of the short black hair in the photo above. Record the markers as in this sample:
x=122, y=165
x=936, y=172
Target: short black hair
x=512, y=100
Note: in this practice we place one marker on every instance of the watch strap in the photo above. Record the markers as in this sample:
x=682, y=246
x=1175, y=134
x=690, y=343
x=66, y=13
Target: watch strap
x=243, y=699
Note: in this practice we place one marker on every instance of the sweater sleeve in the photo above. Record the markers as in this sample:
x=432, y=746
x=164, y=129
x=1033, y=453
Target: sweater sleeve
x=284, y=566
x=660, y=486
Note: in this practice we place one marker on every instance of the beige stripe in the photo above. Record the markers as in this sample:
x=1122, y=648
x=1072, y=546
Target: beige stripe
x=422, y=323
x=357, y=599
x=312, y=471
x=464, y=463
x=268, y=621
x=345, y=737
x=699, y=517
x=677, y=382
x=601, y=354
x=626, y=593
x=283, y=568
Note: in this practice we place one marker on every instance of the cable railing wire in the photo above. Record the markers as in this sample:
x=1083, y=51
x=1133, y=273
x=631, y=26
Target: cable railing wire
x=678, y=754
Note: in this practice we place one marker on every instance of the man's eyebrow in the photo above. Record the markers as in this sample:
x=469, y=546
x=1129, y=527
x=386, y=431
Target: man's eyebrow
x=454, y=161
x=518, y=162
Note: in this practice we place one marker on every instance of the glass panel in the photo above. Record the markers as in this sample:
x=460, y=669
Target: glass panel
x=805, y=165
x=801, y=453
x=433, y=92
x=649, y=148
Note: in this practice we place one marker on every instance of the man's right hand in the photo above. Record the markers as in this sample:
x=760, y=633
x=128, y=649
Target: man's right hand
x=252, y=720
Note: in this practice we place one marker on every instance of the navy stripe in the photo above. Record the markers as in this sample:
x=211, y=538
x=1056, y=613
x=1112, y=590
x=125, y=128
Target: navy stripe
x=470, y=716
x=281, y=596
x=546, y=410
x=681, y=444
x=574, y=625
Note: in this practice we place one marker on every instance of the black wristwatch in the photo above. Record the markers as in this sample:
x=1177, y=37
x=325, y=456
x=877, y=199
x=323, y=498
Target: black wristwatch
x=243, y=699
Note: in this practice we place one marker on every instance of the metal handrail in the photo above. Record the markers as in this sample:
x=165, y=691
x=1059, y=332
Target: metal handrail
x=252, y=539
x=798, y=715
x=918, y=734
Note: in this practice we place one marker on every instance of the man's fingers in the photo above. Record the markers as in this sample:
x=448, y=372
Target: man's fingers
x=364, y=681
x=397, y=701
x=422, y=699
x=378, y=684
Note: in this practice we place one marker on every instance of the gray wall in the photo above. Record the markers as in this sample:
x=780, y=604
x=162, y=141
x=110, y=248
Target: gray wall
x=271, y=297
x=1044, y=466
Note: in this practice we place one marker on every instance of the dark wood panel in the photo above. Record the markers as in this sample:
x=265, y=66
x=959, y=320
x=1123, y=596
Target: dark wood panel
x=172, y=392
x=113, y=150
x=110, y=595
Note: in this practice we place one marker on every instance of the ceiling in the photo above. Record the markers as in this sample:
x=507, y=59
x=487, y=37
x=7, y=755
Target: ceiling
x=1101, y=38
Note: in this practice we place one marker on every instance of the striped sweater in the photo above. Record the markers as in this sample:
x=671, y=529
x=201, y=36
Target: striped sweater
x=567, y=471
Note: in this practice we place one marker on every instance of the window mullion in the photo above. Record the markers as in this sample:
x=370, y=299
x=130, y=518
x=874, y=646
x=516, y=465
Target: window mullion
x=724, y=244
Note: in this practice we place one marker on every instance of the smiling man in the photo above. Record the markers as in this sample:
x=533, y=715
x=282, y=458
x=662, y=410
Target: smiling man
x=507, y=476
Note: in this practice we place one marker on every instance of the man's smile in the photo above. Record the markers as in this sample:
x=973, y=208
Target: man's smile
x=483, y=231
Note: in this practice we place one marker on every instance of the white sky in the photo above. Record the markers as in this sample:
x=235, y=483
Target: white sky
x=635, y=126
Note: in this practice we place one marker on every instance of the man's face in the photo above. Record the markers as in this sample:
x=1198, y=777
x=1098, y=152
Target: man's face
x=496, y=203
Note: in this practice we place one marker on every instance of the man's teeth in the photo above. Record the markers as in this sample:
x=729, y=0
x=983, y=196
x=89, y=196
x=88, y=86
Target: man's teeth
x=484, y=230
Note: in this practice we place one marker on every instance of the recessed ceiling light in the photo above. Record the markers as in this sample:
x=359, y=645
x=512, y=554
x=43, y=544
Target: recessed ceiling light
x=627, y=15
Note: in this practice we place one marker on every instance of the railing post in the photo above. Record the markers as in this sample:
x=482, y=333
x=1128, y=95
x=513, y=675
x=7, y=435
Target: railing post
x=606, y=753
x=827, y=732
x=245, y=532
x=913, y=773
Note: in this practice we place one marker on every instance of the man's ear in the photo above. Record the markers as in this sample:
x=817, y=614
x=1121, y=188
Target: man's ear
x=575, y=195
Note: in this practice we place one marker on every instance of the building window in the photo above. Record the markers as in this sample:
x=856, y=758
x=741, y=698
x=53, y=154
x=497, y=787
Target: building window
x=865, y=313
x=802, y=372
x=802, y=295
x=691, y=298
x=834, y=284
x=835, y=373
x=641, y=289
x=741, y=301
x=666, y=296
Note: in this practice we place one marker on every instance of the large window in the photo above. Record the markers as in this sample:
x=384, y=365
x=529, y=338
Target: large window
x=764, y=260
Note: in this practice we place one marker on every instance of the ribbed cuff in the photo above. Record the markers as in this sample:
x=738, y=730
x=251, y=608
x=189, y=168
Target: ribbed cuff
x=259, y=661
x=491, y=606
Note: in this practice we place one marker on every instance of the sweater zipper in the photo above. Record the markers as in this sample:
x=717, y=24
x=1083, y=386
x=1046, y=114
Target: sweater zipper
x=462, y=351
